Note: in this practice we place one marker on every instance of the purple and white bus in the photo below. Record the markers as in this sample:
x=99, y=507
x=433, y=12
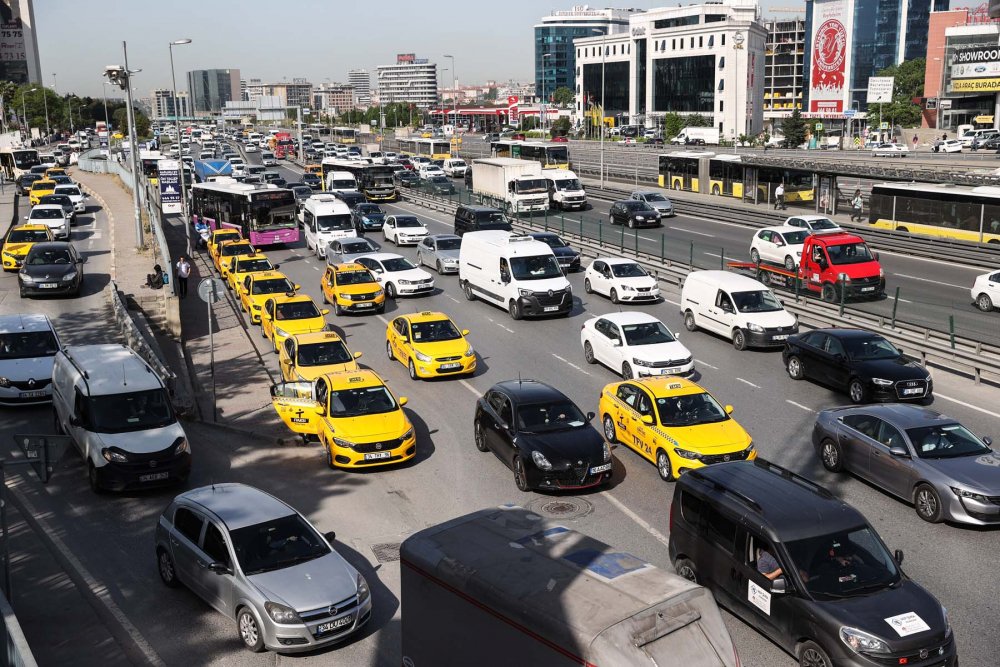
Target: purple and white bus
x=264, y=215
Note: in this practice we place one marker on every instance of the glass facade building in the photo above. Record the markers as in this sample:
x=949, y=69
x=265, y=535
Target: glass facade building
x=210, y=89
x=616, y=88
x=684, y=84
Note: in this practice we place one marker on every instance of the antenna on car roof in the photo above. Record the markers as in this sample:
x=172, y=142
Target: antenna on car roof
x=519, y=379
x=20, y=319
x=124, y=377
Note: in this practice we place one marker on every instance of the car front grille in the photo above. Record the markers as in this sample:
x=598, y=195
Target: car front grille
x=362, y=297
x=712, y=459
x=994, y=499
x=37, y=385
x=379, y=446
x=553, y=298
x=871, y=280
x=572, y=476
x=448, y=358
x=643, y=289
x=149, y=461
x=671, y=363
x=911, y=384
x=779, y=330
x=314, y=615
x=931, y=657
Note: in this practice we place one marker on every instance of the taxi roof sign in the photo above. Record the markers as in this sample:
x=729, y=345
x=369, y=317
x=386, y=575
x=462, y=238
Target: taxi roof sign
x=675, y=385
x=425, y=312
x=355, y=378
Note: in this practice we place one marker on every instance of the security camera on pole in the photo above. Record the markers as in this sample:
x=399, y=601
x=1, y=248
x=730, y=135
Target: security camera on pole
x=122, y=77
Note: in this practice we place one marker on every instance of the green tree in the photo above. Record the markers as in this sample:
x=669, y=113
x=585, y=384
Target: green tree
x=673, y=123
x=563, y=96
x=697, y=120
x=491, y=94
x=528, y=123
x=794, y=128
x=561, y=127
x=908, y=84
x=120, y=122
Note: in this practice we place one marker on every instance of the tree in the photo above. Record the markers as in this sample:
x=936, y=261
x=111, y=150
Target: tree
x=673, y=123
x=794, y=128
x=697, y=120
x=528, y=123
x=563, y=96
x=491, y=94
x=561, y=127
x=120, y=121
x=908, y=84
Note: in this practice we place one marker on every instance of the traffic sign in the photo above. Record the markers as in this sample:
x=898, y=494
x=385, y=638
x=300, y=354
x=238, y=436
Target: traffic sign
x=819, y=126
x=42, y=452
x=156, y=133
x=849, y=113
x=884, y=125
x=857, y=141
x=210, y=289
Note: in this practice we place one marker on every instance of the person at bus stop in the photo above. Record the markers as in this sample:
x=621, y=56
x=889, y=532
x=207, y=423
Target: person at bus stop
x=183, y=273
x=857, y=203
x=779, y=196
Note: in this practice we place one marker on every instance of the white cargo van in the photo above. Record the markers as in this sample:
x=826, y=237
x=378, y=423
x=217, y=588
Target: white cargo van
x=565, y=191
x=340, y=181
x=117, y=412
x=737, y=307
x=325, y=218
x=455, y=167
x=514, y=272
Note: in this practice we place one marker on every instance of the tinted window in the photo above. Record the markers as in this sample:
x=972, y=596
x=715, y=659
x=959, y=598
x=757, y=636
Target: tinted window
x=814, y=339
x=721, y=530
x=865, y=424
x=215, y=545
x=690, y=507
x=188, y=524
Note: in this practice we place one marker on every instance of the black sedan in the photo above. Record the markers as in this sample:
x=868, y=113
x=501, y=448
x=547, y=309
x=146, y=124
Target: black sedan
x=865, y=365
x=438, y=185
x=53, y=267
x=367, y=218
x=350, y=197
x=569, y=259
x=312, y=180
x=24, y=182
x=542, y=436
x=404, y=179
x=634, y=213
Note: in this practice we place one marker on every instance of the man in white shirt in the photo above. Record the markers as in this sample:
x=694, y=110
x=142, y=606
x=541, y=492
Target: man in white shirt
x=779, y=197
x=183, y=272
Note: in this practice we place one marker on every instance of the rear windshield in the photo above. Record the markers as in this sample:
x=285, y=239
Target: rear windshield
x=251, y=265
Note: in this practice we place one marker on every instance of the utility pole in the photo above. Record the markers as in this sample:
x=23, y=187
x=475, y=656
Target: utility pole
x=122, y=76
x=177, y=125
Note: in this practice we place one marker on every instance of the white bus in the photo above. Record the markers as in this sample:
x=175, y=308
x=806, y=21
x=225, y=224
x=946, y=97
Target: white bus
x=17, y=161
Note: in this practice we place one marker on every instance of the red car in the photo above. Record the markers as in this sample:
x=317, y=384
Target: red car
x=519, y=137
x=405, y=162
x=560, y=139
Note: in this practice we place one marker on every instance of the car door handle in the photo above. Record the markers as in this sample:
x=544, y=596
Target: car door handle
x=844, y=437
x=202, y=564
x=876, y=453
x=174, y=542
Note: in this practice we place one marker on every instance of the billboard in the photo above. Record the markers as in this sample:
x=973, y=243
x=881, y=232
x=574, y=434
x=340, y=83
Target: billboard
x=831, y=46
x=976, y=69
x=880, y=89
x=405, y=57
x=512, y=102
x=170, y=185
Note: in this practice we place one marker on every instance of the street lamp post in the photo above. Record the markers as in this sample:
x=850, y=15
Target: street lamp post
x=107, y=121
x=24, y=112
x=541, y=108
x=604, y=48
x=177, y=127
x=454, y=95
x=122, y=77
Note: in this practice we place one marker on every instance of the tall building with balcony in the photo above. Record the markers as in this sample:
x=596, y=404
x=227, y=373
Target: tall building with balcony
x=361, y=81
x=298, y=93
x=784, y=60
x=335, y=97
x=164, y=105
x=210, y=89
x=410, y=80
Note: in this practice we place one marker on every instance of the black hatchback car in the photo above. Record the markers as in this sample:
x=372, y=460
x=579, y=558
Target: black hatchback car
x=350, y=197
x=542, y=436
x=53, y=267
x=634, y=213
x=405, y=179
x=804, y=568
x=569, y=259
x=312, y=180
x=865, y=365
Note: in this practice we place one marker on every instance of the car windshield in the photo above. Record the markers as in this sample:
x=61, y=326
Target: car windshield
x=68, y=191
x=532, y=185
x=272, y=286
x=850, y=253
x=795, y=238
x=296, y=310
x=267, y=216
x=945, y=441
x=449, y=244
x=647, y=333
x=552, y=241
x=432, y=332
x=342, y=184
x=361, y=401
x=329, y=223
x=251, y=265
x=568, y=184
x=28, y=345
x=27, y=236
x=536, y=267
x=761, y=301
x=397, y=264
x=238, y=248
x=134, y=411
x=439, y=179
x=48, y=256
x=407, y=221
x=368, y=209
x=551, y=416
x=326, y=353
x=655, y=196
x=864, y=349
x=637, y=206
x=46, y=213
x=690, y=410
x=629, y=270
x=821, y=224
x=276, y=544
x=843, y=565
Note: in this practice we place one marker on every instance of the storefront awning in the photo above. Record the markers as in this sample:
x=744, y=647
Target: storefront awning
x=983, y=119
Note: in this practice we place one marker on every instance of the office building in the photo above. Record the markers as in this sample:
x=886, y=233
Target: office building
x=243, y=90
x=254, y=90
x=555, y=35
x=164, y=105
x=361, y=81
x=701, y=59
x=19, y=61
x=335, y=97
x=971, y=77
x=934, y=63
x=784, y=55
x=298, y=93
x=409, y=80
x=210, y=89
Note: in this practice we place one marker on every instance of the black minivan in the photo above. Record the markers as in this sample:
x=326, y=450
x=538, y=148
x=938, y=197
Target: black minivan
x=804, y=568
x=470, y=218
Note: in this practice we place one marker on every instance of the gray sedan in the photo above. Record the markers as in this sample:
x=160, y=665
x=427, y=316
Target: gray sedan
x=345, y=251
x=916, y=454
x=439, y=251
x=656, y=200
x=262, y=565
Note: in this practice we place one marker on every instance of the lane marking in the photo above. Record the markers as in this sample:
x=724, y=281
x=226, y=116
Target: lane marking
x=928, y=280
x=638, y=519
x=702, y=363
x=968, y=405
x=748, y=382
x=452, y=298
x=691, y=231
x=712, y=254
x=673, y=302
x=570, y=363
x=316, y=268
x=468, y=386
x=799, y=405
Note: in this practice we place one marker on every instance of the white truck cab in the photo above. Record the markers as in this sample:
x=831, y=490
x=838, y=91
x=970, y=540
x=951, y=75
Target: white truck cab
x=565, y=191
x=325, y=218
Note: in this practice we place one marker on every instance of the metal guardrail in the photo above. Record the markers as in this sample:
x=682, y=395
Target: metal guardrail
x=967, y=357
x=135, y=339
x=17, y=653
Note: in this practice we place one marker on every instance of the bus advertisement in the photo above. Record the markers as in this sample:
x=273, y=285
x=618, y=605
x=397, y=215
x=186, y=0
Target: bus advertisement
x=263, y=215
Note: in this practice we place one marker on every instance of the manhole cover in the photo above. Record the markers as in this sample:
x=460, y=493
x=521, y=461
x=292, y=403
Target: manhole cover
x=560, y=508
x=386, y=552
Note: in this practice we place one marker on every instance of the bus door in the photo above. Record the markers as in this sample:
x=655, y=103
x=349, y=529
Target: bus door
x=750, y=185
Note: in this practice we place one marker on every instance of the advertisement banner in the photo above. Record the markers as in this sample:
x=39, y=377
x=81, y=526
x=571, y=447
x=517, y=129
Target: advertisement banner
x=976, y=61
x=831, y=42
x=975, y=85
x=170, y=185
x=103, y=138
x=512, y=116
x=880, y=89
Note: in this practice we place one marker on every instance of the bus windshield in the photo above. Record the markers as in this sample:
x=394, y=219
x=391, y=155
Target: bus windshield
x=273, y=210
x=558, y=154
x=26, y=159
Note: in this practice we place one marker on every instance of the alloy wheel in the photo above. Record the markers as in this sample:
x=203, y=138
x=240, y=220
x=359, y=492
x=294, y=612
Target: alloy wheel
x=609, y=429
x=663, y=466
x=830, y=456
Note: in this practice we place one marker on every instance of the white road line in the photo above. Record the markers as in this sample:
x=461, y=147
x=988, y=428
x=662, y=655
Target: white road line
x=570, y=364
x=635, y=517
x=316, y=268
x=673, y=302
x=799, y=405
x=712, y=254
x=691, y=231
x=470, y=387
x=904, y=301
x=748, y=382
x=968, y=405
x=928, y=280
x=452, y=298
x=702, y=363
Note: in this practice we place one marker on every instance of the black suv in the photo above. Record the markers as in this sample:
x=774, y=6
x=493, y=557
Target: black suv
x=804, y=568
x=469, y=218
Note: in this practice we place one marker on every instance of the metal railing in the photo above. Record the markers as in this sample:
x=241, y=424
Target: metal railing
x=18, y=653
x=136, y=340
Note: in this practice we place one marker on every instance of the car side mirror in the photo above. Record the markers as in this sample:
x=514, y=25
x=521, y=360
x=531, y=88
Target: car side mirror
x=504, y=426
x=325, y=311
x=729, y=409
x=330, y=536
x=403, y=400
x=219, y=568
x=82, y=260
x=779, y=586
x=875, y=255
x=76, y=420
x=277, y=266
x=898, y=556
x=616, y=343
x=320, y=410
x=899, y=451
x=465, y=332
x=988, y=441
x=25, y=217
x=648, y=420
x=298, y=287
x=591, y=415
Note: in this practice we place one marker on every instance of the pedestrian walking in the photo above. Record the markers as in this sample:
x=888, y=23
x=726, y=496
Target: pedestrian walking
x=779, y=196
x=975, y=144
x=914, y=142
x=937, y=145
x=857, y=204
x=183, y=272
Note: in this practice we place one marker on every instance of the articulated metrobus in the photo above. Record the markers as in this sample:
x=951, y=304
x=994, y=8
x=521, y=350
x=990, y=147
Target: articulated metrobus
x=374, y=180
x=506, y=148
x=265, y=215
x=726, y=175
x=345, y=135
x=545, y=154
x=951, y=211
x=436, y=149
x=17, y=161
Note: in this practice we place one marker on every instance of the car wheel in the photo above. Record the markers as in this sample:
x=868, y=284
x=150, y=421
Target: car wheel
x=754, y=256
x=631, y=223
x=812, y=654
x=610, y=434
x=329, y=457
x=480, y=436
x=626, y=371
x=829, y=293
x=663, y=466
x=611, y=219
x=337, y=309
x=927, y=502
x=250, y=633
x=20, y=291
x=685, y=568
x=520, y=477
x=440, y=269
x=689, y=322
x=388, y=351
x=469, y=296
x=984, y=303
x=796, y=370
x=588, y=353
x=390, y=290
x=832, y=456
x=789, y=263
x=95, y=484
x=413, y=370
x=586, y=286
x=739, y=340
x=263, y=334
x=165, y=565
x=515, y=310
x=857, y=392
x=614, y=295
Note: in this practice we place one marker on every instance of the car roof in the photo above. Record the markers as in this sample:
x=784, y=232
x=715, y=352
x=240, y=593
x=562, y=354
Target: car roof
x=51, y=245
x=24, y=322
x=662, y=386
x=425, y=316
x=238, y=505
x=810, y=217
x=645, y=192
x=382, y=256
x=850, y=333
x=48, y=207
x=727, y=279
x=628, y=317
x=616, y=260
x=266, y=275
x=544, y=235
x=358, y=378
x=316, y=337
x=784, y=229
x=112, y=369
x=475, y=208
x=291, y=298
x=528, y=391
x=350, y=266
x=904, y=415
x=441, y=237
x=31, y=226
x=837, y=237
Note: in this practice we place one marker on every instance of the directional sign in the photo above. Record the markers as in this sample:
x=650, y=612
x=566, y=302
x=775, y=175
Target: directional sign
x=884, y=125
x=857, y=141
x=210, y=290
x=819, y=126
x=42, y=452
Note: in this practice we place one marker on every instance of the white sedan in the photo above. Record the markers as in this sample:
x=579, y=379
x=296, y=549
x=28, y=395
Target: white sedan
x=889, y=150
x=397, y=275
x=778, y=245
x=950, y=146
x=620, y=280
x=403, y=230
x=251, y=148
x=634, y=344
x=986, y=291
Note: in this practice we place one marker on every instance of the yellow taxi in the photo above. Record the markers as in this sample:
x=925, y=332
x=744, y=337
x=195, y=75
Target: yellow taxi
x=314, y=169
x=429, y=345
x=284, y=315
x=220, y=236
x=304, y=357
x=673, y=423
x=55, y=171
x=258, y=288
x=426, y=135
x=243, y=265
x=228, y=250
x=41, y=188
x=352, y=288
x=19, y=241
x=356, y=418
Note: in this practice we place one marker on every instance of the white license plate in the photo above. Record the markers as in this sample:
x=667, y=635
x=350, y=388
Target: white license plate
x=363, y=305
x=154, y=477
x=915, y=390
x=31, y=394
x=448, y=367
x=604, y=468
x=335, y=625
x=375, y=456
x=867, y=289
x=781, y=337
x=550, y=309
x=49, y=285
x=669, y=371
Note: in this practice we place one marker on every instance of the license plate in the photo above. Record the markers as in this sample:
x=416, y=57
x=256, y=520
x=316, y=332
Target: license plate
x=31, y=394
x=49, y=285
x=154, y=477
x=867, y=289
x=363, y=305
x=669, y=371
x=603, y=468
x=335, y=625
x=781, y=337
x=375, y=456
x=915, y=390
x=448, y=367
x=550, y=309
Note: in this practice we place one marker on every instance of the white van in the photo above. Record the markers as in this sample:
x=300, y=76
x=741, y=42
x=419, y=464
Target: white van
x=565, y=191
x=117, y=413
x=340, y=181
x=737, y=307
x=515, y=272
x=455, y=167
x=325, y=218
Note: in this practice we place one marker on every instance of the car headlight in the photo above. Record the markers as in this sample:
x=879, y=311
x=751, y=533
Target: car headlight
x=755, y=327
x=749, y=449
x=421, y=356
x=345, y=297
x=363, y=591
x=947, y=621
x=607, y=453
x=862, y=642
x=450, y=260
x=70, y=276
x=962, y=493
x=540, y=460
x=281, y=614
x=882, y=383
x=881, y=273
x=407, y=435
x=181, y=447
x=405, y=282
x=113, y=456
x=5, y=383
x=628, y=288
x=640, y=362
x=256, y=307
x=470, y=352
x=685, y=454
x=640, y=217
x=9, y=254
x=26, y=278
x=340, y=442
x=378, y=294
x=525, y=292
x=281, y=332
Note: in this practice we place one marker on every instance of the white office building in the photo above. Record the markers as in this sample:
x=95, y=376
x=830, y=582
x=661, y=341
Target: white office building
x=361, y=81
x=162, y=104
x=409, y=80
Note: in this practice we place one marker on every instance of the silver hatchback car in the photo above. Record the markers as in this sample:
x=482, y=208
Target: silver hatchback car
x=263, y=565
x=440, y=251
x=656, y=200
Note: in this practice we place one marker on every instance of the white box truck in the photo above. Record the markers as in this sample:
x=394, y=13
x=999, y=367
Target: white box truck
x=516, y=184
x=565, y=191
x=708, y=136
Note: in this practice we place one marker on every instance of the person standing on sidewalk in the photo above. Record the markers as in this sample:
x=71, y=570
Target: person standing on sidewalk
x=779, y=196
x=914, y=142
x=183, y=273
x=857, y=203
